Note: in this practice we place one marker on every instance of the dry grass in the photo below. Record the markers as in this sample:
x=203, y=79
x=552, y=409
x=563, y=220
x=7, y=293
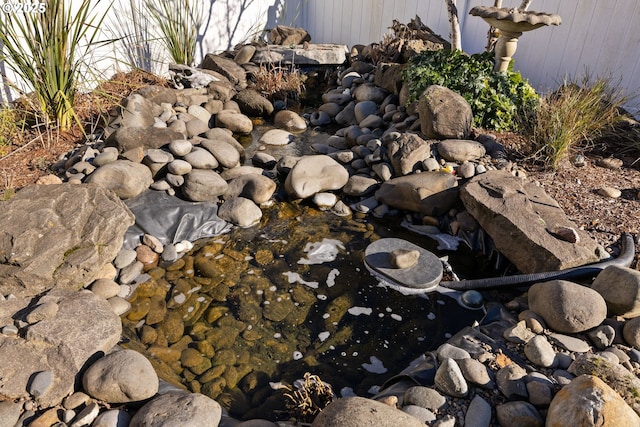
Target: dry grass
x=278, y=83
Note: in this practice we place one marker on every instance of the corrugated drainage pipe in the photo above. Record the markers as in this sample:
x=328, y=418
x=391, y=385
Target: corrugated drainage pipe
x=627, y=254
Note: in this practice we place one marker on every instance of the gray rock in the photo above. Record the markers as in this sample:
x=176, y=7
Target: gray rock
x=403, y=258
x=226, y=154
x=159, y=94
x=347, y=116
x=588, y=401
x=476, y=373
x=112, y=418
x=620, y=288
x=264, y=160
x=136, y=112
x=289, y=120
x=540, y=352
x=59, y=236
x=244, y=54
x=359, y=185
x=320, y=118
x=253, y=104
x=108, y=155
x=200, y=113
x=571, y=344
x=234, y=173
x=364, y=109
x=369, y=92
x=449, y=379
x=420, y=413
x=240, y=211
x=521, y=414
x=257, y=188
x=179, y=167
x=460, y=150
x=467, y=170
x=125, y=178
x=83, y=326
x=478, y=413
x=361, y=412
x=127, y=138
x=429, y=193
x=196, y=127
x=276, y=137
x=180, y=147
x=425, y=397
x=325, y=201
x=447, y=350
x=227, y=67
x=225, y=135
x=631, y=332
x=333, y=99
x=518, y=333
x=41, y=382
x=10, y=412
x=539, y=393
x=87, y=415
x=602, y=336
x=314, y=174
x=383, y=171
x=333, y=108
x=407, y=153
x=44, y=311
x=510, y=380
x=444, y=114
x=119, y=305
x=155, y=155
x=178, y=409
x=567, y=307
x=234, y=121
x=200, y=158
x=120, y=377
x=505, y=205
x=203, y=185
x=124, y=258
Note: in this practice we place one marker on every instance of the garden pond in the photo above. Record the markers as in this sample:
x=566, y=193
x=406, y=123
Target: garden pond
x=245, y=314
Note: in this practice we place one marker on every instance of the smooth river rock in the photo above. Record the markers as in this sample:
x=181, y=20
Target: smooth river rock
x=361, y=412
x=314, y=174
x=429, y=193
x=179, y=409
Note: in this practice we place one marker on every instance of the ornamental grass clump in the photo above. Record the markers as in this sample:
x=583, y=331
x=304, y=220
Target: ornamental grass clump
x=178, y=23
x=496, y=99
x=573, y=117
x=46, y=51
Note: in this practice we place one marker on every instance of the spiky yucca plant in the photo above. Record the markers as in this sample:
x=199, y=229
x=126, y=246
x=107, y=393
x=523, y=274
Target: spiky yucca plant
x=46, y=50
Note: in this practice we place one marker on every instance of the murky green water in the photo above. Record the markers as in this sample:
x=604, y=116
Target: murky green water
x=261, y=306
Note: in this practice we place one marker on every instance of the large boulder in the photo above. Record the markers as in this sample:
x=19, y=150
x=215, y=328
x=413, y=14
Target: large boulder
x=444, y=114
x=521, y=219
x=429, y=193
x=129, y=138
x=227, y=67
x=408, y=152
x=361, y=412
x=82, y=325
x=566, y=306
x=620, y=288
x=589, y=402
x=125, y=178
x=58, y=236
x=313, y=174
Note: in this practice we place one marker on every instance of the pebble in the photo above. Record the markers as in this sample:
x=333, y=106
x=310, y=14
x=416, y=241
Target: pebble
x=609, y=192
x=449, y=379
x=86, y=416
x=478, y=413
x=447, y=350
x=540, y=352
x=41, y=383
x=425, y=397
x=106, y=288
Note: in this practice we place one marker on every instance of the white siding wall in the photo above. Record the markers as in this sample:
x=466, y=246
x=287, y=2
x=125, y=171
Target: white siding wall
x=602, y=37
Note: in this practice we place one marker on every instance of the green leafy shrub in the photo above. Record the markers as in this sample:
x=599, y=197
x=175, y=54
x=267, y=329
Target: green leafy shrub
x=574, y=116
x=496, y=99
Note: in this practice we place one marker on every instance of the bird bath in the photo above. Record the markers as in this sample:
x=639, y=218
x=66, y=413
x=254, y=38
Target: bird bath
x=511, y=23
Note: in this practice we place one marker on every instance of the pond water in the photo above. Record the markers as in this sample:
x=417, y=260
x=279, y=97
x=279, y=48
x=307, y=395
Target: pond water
x=251, y=311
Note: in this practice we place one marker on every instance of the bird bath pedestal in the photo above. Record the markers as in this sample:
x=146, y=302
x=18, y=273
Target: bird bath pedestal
x=511, y=23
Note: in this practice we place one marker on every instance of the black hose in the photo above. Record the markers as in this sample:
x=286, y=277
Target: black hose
x=626, y=257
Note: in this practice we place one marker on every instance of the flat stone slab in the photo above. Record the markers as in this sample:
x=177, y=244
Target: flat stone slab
x=312, y=54
x=423, y=276
x=521, y=218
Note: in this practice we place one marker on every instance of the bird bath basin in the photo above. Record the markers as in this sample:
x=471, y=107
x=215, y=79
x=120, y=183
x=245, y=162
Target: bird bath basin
x=511, y=23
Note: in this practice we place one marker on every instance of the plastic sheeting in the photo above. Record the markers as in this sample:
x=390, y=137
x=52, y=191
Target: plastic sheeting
x=171, y=219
